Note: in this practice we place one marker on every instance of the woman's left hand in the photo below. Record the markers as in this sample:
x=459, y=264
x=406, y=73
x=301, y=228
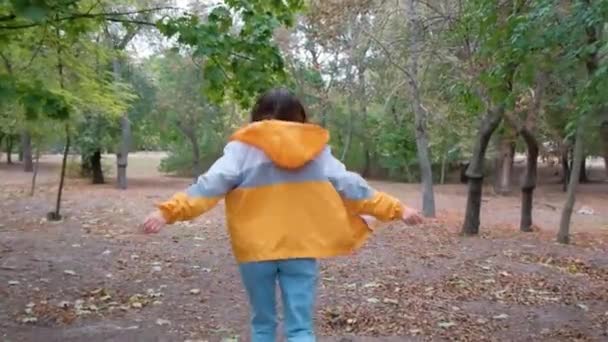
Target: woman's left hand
x=154, y=222
x=411, y=217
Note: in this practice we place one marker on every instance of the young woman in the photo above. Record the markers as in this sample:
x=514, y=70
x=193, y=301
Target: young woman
x=289, y=202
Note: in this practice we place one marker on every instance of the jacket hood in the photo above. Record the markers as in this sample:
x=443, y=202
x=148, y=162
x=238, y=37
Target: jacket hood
x=290, y=145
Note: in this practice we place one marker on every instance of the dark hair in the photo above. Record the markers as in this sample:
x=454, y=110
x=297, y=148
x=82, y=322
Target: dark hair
x=278, y=104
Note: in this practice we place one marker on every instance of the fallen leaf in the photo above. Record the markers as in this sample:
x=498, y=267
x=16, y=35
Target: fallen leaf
x=69, y=272
x=29, y=319
x=390, y=301
x=501, y=316
x=583, y=306
x=373, y=300
x=162, y=322
x=13, y=282
x=195, y=291
x=446, y=324
x=96, y=291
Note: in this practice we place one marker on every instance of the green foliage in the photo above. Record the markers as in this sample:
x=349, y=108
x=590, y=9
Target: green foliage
x=179, y=161
x=239, y=61
x=396, y=147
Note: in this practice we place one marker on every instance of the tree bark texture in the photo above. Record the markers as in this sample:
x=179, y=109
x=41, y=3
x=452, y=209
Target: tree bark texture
x=56, y=215
x=565, y=161
x=583, y=176
x=9, y=149
x=35, y=171
x=474, y=172
x=122, y=157
x=528, y=181
x=96, y=167
x=591, y=63
x=563, y=235
x=420, y=113
x=604, y=139
x=26, y=148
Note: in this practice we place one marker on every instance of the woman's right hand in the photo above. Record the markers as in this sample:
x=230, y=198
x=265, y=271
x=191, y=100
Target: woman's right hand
x=154, y=222
x=411, y=217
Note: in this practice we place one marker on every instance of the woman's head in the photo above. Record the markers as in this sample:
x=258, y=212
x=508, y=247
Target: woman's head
x=278, y=104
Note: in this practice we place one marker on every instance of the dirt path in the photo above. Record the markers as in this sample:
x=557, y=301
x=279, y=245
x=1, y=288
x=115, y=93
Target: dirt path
x=93, y=277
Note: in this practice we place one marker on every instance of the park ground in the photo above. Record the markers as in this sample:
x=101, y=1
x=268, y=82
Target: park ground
x=95, y=277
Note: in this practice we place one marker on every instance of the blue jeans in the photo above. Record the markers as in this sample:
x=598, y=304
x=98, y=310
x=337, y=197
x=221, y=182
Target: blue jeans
x=297, y=279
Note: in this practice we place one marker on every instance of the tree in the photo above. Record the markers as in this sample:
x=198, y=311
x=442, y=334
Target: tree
x=422, y=142
x=181, y=106
x=488, y=26
x=65, y=45
x=587, y=18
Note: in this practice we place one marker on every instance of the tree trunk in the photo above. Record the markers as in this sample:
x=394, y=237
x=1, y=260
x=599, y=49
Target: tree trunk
x=9, y=149
x=122, y=156
x=349, y=134
x=367, y=161
x=565, y=159
x=504, y=165
x=528, y=182
x=591, y=63
x=422, y=141
x=475, y=170
x=443, y=167
x=85, y=165
x=583, y=176
x=426, y=171
x=26, y=148
x=361, y=68
x=197, y=169
x=35, y=171
x=604, y=139
x=563, y=235
x=56, y=215
x=96, y=167
x=463, y=172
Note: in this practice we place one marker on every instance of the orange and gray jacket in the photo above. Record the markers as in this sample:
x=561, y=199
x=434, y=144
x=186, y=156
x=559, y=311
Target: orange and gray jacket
x=286, y=195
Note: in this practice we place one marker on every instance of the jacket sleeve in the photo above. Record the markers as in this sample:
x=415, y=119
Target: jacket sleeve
x=356, y=193
x=223, y=176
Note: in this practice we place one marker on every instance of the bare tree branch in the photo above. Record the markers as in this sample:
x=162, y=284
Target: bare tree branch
x=389, y=57
x=7, y=63
x=109, y=16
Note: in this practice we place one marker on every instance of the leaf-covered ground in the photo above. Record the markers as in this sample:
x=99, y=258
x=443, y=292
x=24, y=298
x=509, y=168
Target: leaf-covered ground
x=94, y=277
